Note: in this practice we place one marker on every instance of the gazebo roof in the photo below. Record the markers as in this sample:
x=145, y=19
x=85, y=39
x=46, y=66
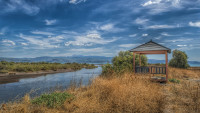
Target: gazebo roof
x=150, y=46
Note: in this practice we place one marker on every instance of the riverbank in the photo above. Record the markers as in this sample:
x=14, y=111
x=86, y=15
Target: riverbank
x=13, y=71
x=15, y=77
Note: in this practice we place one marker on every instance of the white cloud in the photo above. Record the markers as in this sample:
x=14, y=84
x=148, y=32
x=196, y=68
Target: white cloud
x=141, y=21
x=110, y=28
x=182, y=45
x=76, y=1
x=165, y=34
x=144, y=35
x=194, y=24
x=8, y=42
x=151, y=2
x=133, y=35
x=50, y=22
x=160, y=6
x=88, y=40
x=179, y=40
x=161, y=26
x=41, y=42
x=106, y=27
x=23, y=43
x=128, y=45
x=41, y=33
x=21, y=5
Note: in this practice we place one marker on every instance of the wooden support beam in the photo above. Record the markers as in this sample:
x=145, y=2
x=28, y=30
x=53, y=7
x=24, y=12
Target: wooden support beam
x=139, y=60
x=166, y=59
x=150, y=52
x=133, y=62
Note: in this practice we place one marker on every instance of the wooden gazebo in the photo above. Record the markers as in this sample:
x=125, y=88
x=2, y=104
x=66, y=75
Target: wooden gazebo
x=151, y=48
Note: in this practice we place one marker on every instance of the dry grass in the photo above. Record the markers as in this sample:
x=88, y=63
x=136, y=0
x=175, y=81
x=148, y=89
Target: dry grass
x=183, y=97
x=128, y=93
x=125, y=94
x=183, y=73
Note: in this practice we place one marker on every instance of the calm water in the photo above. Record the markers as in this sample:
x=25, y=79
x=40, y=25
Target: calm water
x=45, y=84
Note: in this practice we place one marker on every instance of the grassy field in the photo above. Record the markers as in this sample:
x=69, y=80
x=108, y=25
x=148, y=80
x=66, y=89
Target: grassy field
x=123, y=94
x=6, y=67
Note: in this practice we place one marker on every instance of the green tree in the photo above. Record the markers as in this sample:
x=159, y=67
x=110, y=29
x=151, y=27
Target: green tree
x=124, y=62
x=179, y=59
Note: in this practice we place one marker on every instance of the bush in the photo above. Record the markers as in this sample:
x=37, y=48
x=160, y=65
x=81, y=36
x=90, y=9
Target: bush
x=107, y=69
x=179, y=59
x=53, y=100
x=124, y=62
x=174, y=80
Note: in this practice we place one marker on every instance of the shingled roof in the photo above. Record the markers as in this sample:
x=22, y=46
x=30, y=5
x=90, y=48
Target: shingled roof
x=150, y=46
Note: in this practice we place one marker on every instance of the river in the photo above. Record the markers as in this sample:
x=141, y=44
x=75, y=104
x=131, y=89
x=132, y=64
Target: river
x=45, y=84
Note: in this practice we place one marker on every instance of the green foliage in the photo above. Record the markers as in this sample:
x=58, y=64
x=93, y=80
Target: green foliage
x=40, y=66
x=53, y=100
x=124, y=63
x=179, y=59
x=174, y=80
x=107, y=69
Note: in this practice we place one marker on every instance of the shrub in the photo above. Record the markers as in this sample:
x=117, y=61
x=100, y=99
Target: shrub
x=179, y=59
x=52, y=100
x=107, y=69
x=174, y=80
x=124, y=62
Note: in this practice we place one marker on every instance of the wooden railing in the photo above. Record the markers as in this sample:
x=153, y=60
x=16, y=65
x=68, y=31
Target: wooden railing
x=151, y=70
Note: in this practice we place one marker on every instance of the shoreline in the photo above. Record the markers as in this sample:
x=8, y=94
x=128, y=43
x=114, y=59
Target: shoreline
x=7, y=78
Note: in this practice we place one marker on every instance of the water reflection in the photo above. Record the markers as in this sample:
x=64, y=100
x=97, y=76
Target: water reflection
x=46, y=83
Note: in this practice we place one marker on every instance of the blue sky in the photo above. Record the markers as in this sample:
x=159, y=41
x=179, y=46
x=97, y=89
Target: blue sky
x=33, y=28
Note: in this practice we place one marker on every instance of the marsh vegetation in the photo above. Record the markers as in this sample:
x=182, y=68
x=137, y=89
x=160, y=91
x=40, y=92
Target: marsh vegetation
x=6, y=67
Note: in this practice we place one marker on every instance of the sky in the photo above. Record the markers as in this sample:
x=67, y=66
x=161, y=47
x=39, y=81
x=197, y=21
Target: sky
x=34, y=28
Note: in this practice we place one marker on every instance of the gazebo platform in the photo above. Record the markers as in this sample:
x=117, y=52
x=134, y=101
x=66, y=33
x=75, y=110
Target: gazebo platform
x=151, y=48
x=158, y=79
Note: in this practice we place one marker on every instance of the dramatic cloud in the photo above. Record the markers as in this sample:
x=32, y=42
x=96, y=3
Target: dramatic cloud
x=41, y=42
x=44, y=26
x=194, y=24
x=50, y=22
x=89, y=40
x=8, y=42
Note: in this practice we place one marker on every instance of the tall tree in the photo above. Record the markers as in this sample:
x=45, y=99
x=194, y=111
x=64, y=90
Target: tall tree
x=179, y=59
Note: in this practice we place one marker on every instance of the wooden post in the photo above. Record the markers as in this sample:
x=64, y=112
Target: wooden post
x=166, y=59
x=133, y=62
x=139, y=60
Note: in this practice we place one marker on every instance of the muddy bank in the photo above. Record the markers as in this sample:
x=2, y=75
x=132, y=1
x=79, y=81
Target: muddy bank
x=15, y=77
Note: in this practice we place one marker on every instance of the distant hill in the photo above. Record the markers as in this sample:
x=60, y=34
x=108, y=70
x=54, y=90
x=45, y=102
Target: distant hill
x=70, y=59
x=79, y=59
